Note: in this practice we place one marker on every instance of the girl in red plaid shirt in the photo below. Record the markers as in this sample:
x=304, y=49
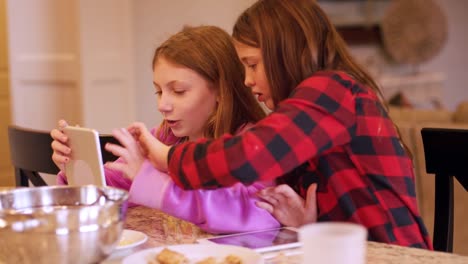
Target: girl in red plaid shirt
x=329, y=136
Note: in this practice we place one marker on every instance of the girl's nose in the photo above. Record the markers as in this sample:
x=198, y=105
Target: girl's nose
x=164, y=104
x=249, y=81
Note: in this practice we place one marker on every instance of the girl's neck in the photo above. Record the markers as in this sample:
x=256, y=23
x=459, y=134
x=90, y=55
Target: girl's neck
x=194, y=137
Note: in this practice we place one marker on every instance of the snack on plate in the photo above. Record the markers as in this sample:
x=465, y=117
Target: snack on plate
x=232, y=259
x=124, y=242
x=167, y=256
x=209, y=260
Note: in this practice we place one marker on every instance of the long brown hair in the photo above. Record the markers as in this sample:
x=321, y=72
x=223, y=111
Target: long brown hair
x=209, y=51
x=296, y=39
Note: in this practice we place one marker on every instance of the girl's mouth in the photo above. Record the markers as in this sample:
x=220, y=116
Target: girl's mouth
x=172, y=123
x=260, y=98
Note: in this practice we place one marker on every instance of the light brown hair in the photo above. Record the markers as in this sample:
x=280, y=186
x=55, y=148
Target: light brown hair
x=209, y=51
x=296, y=39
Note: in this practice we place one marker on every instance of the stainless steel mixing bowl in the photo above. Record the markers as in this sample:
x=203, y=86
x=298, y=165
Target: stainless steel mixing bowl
x=60, y=224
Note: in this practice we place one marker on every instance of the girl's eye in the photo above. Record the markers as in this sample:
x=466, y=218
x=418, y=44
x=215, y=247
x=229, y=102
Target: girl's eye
x=181, y=92
x=158, y=92
x=252, y=66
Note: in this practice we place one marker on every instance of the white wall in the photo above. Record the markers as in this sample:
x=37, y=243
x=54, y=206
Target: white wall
x=155, y=21
x=43, y=61
x=107, y=63
x=71, y=59
x=453, y=60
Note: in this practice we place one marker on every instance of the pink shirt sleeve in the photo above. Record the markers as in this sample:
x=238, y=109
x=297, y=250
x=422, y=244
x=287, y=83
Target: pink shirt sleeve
x=61, y=178
x=224, y=210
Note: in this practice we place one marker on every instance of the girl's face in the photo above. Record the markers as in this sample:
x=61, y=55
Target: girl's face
x=184, y=98
x=255, y=76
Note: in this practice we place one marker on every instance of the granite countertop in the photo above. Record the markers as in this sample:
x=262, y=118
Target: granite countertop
x=163, y=229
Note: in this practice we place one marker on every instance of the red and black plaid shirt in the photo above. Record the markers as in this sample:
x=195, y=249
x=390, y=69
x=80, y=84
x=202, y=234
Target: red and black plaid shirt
x=330, y=130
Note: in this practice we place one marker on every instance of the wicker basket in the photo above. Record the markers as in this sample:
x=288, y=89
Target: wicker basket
x=413, y=31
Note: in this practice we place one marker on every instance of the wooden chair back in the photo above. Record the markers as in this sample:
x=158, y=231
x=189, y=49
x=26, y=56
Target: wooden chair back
x=446, y=155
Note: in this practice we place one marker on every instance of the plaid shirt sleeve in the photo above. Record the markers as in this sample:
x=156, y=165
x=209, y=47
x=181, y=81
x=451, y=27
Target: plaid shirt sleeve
x=318, y=115
x=333, y=131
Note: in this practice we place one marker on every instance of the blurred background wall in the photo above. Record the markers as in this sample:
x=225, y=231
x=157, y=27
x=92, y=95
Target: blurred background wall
x=89, y=61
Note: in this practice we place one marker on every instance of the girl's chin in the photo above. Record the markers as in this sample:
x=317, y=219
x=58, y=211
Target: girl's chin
x=177, y=132
x=180, y=134
x=270, y=105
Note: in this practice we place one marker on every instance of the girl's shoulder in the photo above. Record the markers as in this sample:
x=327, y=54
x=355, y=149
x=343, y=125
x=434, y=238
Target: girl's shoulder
x=244, y=127
x=335, y=81
x=341, y=77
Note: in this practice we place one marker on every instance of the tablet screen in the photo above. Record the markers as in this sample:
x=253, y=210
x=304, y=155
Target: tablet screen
x=261, y=239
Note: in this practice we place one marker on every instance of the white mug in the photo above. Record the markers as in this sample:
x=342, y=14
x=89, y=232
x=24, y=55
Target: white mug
x=333, y=243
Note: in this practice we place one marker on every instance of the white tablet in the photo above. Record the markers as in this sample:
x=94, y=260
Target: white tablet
x=260, y=241
x=85, y=165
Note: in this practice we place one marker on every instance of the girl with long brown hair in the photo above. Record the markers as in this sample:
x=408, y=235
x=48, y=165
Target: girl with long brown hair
x=198, y=81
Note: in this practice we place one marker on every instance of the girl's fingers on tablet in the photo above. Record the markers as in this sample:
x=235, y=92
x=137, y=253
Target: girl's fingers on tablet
x=137, y=127
x=135, y=132
x=118, y=166
x=125, y=134
x=131, y=143
x=119, y=136
x=139, y=131
x=117, y=150
x=124, y=137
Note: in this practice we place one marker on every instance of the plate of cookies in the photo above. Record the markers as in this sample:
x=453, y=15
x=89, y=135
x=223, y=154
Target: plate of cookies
x=195, y=254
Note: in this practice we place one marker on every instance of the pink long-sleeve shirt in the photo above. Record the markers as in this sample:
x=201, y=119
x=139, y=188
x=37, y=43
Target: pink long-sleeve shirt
x=224, y=210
